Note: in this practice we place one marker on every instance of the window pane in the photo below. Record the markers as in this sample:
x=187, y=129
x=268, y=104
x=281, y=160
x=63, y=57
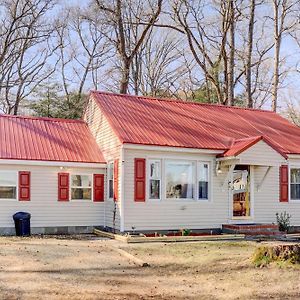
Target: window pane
x=8, y=179
x=179, y=180
x=203, y=190
x=111, y=171
x=8, y=192
x=154, y=189
x=111, y=188
x=295, y=175
x=295, y=191
x=81, y=180
x=81, y=193
x=155, y=170
x=203, y=172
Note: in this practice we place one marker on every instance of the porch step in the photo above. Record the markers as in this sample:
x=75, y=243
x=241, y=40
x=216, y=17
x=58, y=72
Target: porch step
x=252, y=229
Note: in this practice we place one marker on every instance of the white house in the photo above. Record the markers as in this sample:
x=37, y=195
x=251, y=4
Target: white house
x=144, y=164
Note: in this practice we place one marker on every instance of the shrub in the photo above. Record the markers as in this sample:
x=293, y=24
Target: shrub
x=283, y=221
x=185, y=232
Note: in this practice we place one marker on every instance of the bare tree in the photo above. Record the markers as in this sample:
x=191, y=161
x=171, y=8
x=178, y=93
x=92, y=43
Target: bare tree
x=159, y=67
x=209, y=42
x=125, y=19
x=82, y=52
x=25, y=48
x=282, y=9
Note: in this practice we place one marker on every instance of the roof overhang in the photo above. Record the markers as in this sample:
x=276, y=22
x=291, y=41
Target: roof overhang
x=241, y=145
x=171, y=149
x=58, y=164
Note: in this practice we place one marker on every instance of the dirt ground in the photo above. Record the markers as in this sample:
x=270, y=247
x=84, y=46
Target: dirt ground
x=51, y=268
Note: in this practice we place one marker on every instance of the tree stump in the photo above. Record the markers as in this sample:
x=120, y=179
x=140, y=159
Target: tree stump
x=284, y=252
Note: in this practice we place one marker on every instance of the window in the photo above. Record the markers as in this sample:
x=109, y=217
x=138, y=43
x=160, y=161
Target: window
x=8, y=185
x=154, y=179
x=179, y=179
x=110, y=176
x=81, y=187
x=295, y=184
x=203, y=179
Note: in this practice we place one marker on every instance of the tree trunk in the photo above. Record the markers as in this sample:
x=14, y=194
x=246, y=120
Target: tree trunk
x=231, y=55
x=249, y=55
x=277, y=41
x=125, y=77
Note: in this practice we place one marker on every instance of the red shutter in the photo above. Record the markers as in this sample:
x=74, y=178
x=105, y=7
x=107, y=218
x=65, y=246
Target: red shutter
x=284, y=183
x=116, y=180
x=63, y=186
x=139, y=179
x=24, y=186
x=98, y=187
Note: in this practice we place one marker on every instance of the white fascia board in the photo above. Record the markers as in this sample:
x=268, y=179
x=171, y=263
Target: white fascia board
x=170, y=149
x=294, y=156
x=226, y=158
x=52, y=163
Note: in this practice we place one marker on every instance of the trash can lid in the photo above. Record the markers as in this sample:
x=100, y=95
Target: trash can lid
x=21, y=215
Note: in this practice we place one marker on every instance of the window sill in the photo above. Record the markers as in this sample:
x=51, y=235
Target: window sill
x=9, y=199
x=81, y=200
x=187, y=200
x=242, y=218
x=293, y=201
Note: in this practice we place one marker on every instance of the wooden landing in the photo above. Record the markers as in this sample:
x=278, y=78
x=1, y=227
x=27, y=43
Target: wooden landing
x=168, y=239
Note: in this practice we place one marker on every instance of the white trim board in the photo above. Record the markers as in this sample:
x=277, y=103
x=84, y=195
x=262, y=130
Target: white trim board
x=170, y=149
x=52, y=163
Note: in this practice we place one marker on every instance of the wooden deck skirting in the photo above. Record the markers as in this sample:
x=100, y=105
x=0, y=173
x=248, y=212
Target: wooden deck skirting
x=166, y=239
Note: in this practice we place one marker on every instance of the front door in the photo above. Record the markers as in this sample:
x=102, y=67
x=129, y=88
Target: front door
x=240, y=186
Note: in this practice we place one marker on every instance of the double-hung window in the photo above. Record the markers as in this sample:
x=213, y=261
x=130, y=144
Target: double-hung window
x=180, y=179
x=110, y=180
x=295, y=184
x=81, y=187
x=203, y=181
x=154, y=179
x=8, y=185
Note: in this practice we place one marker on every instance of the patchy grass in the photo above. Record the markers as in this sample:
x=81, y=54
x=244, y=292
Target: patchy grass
x=35, y=268
x=219, y=270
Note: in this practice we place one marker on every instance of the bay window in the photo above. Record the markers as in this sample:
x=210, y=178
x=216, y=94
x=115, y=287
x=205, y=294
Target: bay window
x=295, y=184
x=203, y=181
x=81, y=187
x=154, y=179
x=179, y=176
x=8, y=185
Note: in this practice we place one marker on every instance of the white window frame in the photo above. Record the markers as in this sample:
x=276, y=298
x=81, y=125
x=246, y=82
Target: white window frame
x=17, y=185
x=149, y=160
x=92, y=186
x=209, y=192
x=108, y=178
x=194, y=176
x=290, y=183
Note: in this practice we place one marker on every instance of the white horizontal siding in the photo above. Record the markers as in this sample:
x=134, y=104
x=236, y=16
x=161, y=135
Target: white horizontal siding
x=44, y=207
x=266, y=200
x=167, y=214
x=172, y=214
x=111, y=149
x=260, y=154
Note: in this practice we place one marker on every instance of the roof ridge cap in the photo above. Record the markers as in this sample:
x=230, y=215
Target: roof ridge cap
x=182, y=101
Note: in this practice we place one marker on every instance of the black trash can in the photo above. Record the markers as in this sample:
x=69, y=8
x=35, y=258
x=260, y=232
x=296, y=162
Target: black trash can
x=22, y=223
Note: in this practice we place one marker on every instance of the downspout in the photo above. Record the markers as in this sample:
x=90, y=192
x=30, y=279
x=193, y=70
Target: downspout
x=122, y=190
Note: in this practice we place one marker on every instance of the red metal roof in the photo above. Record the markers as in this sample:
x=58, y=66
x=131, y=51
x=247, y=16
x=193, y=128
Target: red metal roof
x=32, y=138
x=166, y=122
